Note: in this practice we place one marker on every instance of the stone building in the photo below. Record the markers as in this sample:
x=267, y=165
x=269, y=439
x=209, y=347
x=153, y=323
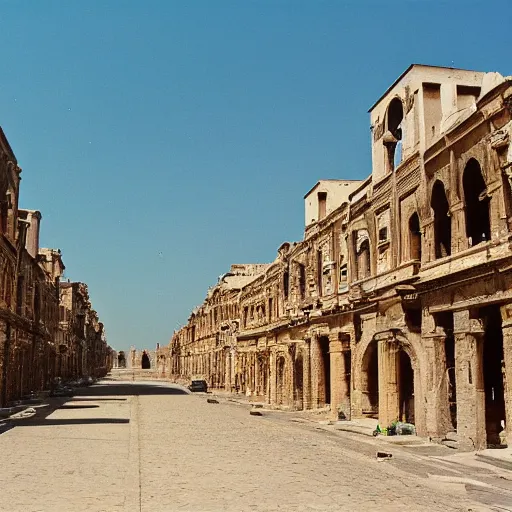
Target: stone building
x=83, y=347
x=30, y=349
x=397, y=304
x=141, y=359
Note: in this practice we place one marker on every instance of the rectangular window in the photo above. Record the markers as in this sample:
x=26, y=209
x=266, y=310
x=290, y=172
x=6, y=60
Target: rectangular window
x=322, y=205
x=466, y=96
x=432, y=111
x=302, y=280
x=319, y=263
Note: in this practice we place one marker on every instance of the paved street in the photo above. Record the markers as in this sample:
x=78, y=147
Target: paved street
x=152, y=447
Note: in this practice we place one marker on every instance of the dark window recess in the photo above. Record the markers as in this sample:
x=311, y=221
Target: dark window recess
x=286, y=283
x=414, y=237
x=302, y=280
x=322, y=205
x=383, y=234
x=476, y=201
x=442, y=221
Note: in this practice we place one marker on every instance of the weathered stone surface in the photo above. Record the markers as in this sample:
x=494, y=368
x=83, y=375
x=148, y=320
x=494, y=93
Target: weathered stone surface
x=397, y=302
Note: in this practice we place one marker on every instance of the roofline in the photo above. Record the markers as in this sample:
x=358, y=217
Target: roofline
x=364, y=184
x=320, y=181
x=7, y=146
x=409, y=69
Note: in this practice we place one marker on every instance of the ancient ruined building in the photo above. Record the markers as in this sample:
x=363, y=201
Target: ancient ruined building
x=398, y=302
x=31, y=347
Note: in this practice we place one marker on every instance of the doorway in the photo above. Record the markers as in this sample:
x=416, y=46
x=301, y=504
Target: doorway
x=324, y=371
x=145, y=362
x=405, y=388
x=493, y=373
x=370, y=382
x=299, y=383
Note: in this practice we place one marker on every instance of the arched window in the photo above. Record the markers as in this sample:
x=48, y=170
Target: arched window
x=394, y=134
x=442, y=221
x=145, y=361
x=476, y=204
x=414, y=237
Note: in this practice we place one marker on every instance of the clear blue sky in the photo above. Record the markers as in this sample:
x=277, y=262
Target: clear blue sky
x=164, y=140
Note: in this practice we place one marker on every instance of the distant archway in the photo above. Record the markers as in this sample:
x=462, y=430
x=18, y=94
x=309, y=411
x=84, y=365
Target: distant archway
x=145, y=361
x=121, y=360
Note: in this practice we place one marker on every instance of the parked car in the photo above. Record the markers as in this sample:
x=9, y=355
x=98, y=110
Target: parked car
x=198, y=385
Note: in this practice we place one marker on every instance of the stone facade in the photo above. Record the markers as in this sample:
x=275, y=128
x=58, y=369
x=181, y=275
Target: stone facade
x=32, y=345
x=397, y=304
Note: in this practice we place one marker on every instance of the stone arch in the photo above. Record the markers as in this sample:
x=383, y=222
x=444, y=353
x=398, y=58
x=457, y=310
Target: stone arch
x=121, y=359
x=442, y=220
x=145, y=362
x=476, y=203
x=394, y=133
x=410, y=344
x=414, y=237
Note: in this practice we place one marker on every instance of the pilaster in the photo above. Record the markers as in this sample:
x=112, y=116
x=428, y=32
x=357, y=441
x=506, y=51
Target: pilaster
x=469, y=380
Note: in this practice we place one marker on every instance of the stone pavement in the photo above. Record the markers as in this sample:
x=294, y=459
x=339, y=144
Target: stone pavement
x=153, y=447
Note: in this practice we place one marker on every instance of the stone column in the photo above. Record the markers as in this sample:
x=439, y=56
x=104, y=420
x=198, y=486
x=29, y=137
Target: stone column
x=428, y=252
x=306, y=375
x=227, y=371
x=459, y=238
x=438, y=420
x=389, y=406
x=506, y=315
x=340, y=390
x=273, y=378
x=314, y=371
x=470, y=382
x=257, y=375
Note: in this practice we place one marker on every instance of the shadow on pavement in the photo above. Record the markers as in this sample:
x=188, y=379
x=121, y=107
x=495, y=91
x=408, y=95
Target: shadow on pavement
x=42, y=422
x=78, y=406
x=92, y=393
x=129, y=388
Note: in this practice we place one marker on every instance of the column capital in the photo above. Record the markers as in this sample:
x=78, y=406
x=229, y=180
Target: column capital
x=335, y=346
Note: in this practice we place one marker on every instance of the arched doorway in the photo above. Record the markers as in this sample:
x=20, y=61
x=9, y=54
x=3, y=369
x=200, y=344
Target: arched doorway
x=370, y=382
x=145, y=361
x=405, y=388
x=442, y=221
x=476, y=203
x=121, y=360
x=299, y=383
x=280, y=381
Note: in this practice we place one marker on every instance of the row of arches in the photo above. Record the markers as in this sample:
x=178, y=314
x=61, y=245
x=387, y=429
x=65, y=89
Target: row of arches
x=476, y=208
x=477, y=221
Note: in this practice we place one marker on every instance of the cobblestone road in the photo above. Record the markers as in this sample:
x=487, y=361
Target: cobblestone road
x=153, y=448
